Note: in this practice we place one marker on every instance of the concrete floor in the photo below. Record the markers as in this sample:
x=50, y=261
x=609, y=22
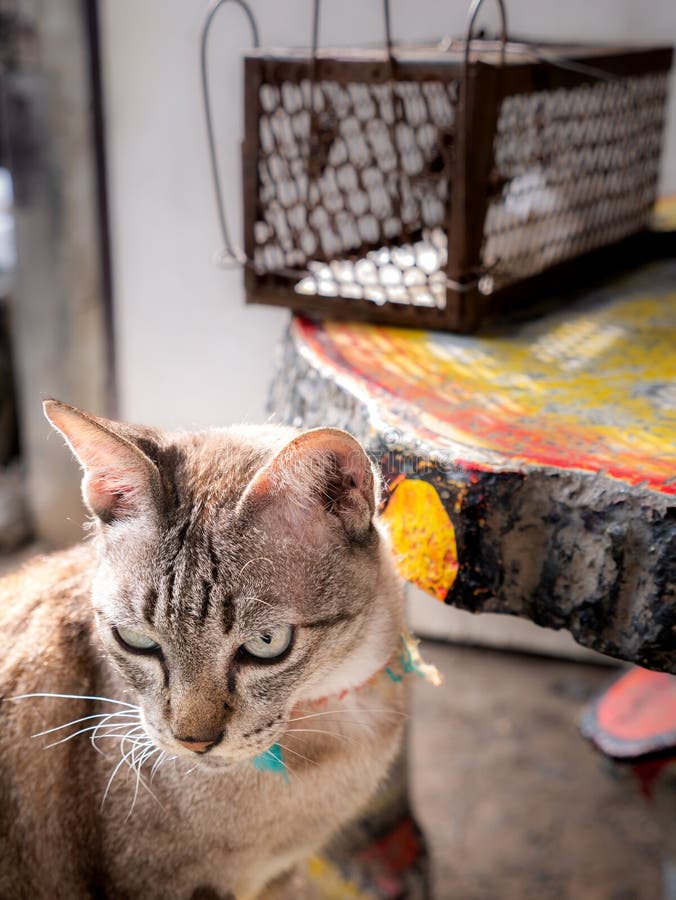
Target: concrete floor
x=514, y=803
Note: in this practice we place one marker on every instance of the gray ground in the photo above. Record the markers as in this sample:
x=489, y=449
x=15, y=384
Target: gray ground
x=514, y=803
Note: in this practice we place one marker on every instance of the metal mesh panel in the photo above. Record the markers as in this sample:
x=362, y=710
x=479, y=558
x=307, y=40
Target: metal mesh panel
x=361, y=168
x=578, y=169
x=349, y=176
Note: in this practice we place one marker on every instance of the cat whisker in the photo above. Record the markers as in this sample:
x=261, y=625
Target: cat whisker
x=167, y=760
x=258, y=600
x=74, y=697
x=334, y=712
x=123, y=759
x=135, y=733
x=277, y=760
x=149, y=755
x=162, y=759
x=147, y=750
x=122, y=712
x=134, y=767
x=343, y=737
x=296, y=753
x=93, y=738
x=158, y=762
x=140, y=752
x=118, y=737
x=90, y=728
x=255, y=559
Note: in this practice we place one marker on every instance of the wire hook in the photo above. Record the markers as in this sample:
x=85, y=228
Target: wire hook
x=230, y=251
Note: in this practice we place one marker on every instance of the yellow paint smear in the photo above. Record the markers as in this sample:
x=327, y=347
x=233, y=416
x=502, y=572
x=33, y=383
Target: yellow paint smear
x=664, y=215
x=588, y=388
x=330, y=883
x=423, y=537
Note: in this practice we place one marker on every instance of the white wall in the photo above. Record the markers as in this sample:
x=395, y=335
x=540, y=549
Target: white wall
x=188, y=351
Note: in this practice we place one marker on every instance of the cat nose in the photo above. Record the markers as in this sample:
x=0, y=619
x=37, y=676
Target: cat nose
x=197, y=746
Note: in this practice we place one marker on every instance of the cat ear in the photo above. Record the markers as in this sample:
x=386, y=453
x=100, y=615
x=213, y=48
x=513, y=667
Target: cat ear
x=120, y=482
x=324, y=471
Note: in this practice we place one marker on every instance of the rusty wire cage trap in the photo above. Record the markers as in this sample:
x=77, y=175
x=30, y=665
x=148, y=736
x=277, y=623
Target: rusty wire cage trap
x=431, y=184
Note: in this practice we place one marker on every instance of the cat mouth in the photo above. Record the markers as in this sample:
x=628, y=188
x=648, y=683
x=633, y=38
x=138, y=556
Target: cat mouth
x=219, y=757
x=221, y=762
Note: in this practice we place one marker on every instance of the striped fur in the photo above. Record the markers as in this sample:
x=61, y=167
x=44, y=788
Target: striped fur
x=201, y=541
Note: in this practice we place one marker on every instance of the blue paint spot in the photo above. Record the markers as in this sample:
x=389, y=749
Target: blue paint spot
x=271, y=760
x=393, y=675
x=408, y=663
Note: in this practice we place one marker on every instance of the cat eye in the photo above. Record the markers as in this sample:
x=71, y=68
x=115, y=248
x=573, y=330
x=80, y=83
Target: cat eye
x=269, y=644
x=134, y=640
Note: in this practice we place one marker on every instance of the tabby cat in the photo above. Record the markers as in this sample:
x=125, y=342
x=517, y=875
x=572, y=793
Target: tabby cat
x=190, y=699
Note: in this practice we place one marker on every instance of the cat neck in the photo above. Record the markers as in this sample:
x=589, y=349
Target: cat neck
x=405, y=660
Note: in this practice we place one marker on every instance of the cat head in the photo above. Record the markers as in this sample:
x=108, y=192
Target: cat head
x=240, y=572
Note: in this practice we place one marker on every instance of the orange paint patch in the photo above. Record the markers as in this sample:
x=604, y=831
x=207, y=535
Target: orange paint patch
x=329, y=883
x=423, y=537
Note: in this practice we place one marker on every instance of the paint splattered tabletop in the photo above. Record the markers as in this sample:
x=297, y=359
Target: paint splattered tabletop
x=591, y=387
x=531, y=470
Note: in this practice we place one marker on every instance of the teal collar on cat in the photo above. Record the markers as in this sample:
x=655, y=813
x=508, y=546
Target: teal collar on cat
x=271, y=760
x=407, y=661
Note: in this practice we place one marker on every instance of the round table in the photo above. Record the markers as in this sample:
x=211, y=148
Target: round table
x=530, y=470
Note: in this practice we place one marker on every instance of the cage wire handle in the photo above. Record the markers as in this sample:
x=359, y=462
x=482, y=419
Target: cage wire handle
x=229, y=253
x=472, y=15
x=387, y=19
x=316, y=8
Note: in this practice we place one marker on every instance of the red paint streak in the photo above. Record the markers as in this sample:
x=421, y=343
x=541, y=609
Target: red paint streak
x=648, y=772
x=559, y=444
x=397, y=851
